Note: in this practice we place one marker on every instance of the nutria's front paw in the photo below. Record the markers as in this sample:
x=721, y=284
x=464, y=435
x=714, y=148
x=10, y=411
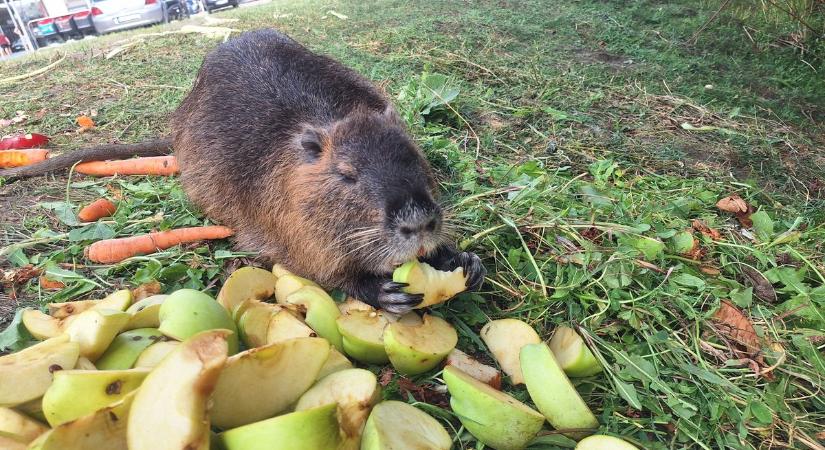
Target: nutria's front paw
x=392, y=298
x=473, y=269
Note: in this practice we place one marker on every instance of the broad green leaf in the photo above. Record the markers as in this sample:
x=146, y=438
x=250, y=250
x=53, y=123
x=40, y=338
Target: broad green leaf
x=18, y=258
x=761, y=412
x=628, y=392
x=63, y=211
x=762, y=225
x=594, y=197
x=649, y=247
x=682, y=242
x=742, y=299
x=16, y=337
x=686, y=279
x=93, y=232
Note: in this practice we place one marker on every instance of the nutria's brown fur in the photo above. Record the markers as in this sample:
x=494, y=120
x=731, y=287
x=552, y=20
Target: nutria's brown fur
x=310, y=164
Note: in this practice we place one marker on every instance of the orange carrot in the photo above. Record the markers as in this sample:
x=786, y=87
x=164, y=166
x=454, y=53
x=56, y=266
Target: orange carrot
x=17, y=158
x=85, y=121
x=97, y=209
x=151, y=165
x=50, y=285
x=110, y=251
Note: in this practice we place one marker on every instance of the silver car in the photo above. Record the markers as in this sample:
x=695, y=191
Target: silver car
x=114, y=15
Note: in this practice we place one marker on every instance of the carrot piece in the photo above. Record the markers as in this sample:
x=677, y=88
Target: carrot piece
x=110, y=251
x=22, y=157
x=50, y=285
x=85, y=121
x=151, y=165
x=97, y=209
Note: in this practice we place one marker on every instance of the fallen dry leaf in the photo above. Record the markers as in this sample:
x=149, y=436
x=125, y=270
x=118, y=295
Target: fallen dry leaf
x=146, y=290
x=733, y=204
x=703, y=228
x=50, y=285
x=385, y=377
x=19, y=275
x=739, y=331
x=761, y=286
x=425, y=394
x=708, y=270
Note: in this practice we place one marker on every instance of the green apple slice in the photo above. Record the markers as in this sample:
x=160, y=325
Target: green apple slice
x=287, y=284
x=84, y=364
x=363, y=335
x=603, y=442
x=313, y=429
x=253, y=321
x=187, y=312
x=170, y=408
x=9, y=443
x=77, y=393
x=335, y=362
x=95, y=329
x=320, y=311
x=19, y=427
x=32, y=408
x=504, y=338
x=264, y=381
x=481, y=372
x=244, y=284
x=102, y=429
x=552, y=391
x=415, y=349
x=398, y=426
x=118, y=301
x=145, y=313
x=351, y=304
x=284, y=325
x=438, y=286
x=127, y=347
x=280, y=270
x=27, y=374
x=572, y=354
x=355, y=391
x=154, y=354
x=493, y=417
x=41, y=325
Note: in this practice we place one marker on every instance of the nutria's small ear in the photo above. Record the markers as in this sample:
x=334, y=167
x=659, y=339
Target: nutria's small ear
x=313, y=141
x=390, y=113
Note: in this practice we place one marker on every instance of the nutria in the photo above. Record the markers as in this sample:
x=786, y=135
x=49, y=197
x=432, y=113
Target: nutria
x=311, y=165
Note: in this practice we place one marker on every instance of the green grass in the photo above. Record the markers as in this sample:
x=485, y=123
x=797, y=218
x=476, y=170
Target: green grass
x=563, y=155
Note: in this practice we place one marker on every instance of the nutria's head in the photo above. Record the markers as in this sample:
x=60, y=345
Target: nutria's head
x=368, y=191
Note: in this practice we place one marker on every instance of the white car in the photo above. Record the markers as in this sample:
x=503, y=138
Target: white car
x=114, y=15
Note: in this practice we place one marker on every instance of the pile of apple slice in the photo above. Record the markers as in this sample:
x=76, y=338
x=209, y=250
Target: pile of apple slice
x=244, y=372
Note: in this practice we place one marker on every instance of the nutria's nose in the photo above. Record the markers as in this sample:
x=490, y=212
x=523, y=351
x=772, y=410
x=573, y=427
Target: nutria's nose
x=421, y=223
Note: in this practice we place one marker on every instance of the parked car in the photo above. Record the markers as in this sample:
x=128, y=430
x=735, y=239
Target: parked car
x=212, y=5
x=114, y=15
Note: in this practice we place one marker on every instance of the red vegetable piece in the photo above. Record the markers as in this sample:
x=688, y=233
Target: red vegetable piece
x=21, y=141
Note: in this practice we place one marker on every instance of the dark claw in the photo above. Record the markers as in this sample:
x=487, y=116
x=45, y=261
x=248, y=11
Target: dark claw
x=473, y=269
x=393, y=299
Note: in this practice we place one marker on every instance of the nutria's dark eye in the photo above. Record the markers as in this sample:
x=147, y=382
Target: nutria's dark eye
x=311, y=143
x=347, y=172
x=430, y=225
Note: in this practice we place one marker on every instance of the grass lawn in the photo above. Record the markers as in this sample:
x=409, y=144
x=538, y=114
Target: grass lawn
x=578, y=142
